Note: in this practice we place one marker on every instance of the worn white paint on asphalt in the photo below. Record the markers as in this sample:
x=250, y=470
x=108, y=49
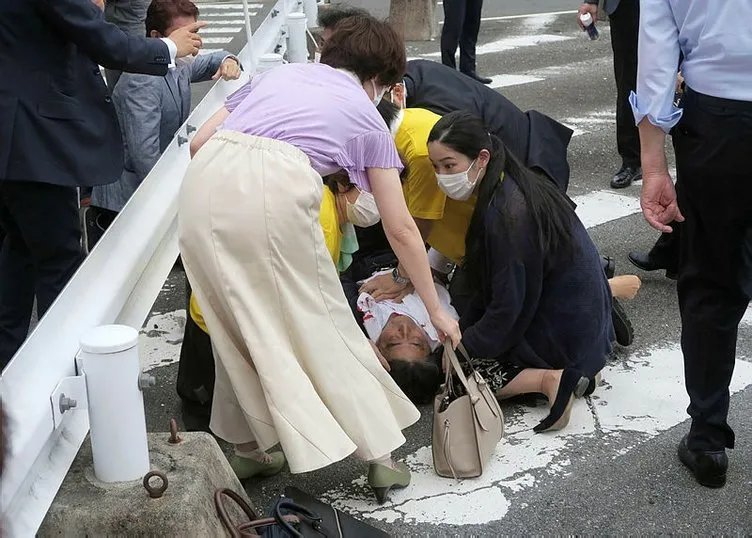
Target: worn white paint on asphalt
x=504, y=81
x=511, y=43
x=639, y=398
x=599, y=207
x=160, y=340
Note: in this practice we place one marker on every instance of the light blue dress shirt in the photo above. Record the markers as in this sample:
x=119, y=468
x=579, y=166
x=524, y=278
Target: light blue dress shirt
x=716, y=39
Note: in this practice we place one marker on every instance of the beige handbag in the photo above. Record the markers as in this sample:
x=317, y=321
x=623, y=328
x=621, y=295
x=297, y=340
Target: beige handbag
x=467, y=421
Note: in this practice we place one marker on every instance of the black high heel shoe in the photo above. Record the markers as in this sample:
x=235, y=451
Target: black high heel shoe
x=573, y=384
x=592, y=385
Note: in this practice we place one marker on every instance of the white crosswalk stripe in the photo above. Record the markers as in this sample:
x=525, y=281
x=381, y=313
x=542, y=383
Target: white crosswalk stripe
x=226, y=21
x=643, y=393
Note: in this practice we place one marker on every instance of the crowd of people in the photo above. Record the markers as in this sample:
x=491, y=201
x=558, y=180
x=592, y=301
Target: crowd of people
x=342, y=220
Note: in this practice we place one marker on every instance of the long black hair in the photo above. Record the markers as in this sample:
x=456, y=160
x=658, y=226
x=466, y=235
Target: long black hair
x=548, y=208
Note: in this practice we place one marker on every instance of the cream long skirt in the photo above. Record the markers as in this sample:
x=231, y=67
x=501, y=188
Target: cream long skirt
x=292, y=365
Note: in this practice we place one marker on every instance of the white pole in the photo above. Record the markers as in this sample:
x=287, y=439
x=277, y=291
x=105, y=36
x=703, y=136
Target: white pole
x=269, y=61
x=248, y=30
x=110, y=362
x=311, y=8
x=297, y=47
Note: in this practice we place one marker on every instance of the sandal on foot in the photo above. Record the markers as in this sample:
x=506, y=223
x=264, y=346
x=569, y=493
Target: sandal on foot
x=248, y=467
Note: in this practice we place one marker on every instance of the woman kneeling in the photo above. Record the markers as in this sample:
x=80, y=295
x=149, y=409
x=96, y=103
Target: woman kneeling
x=540, y=316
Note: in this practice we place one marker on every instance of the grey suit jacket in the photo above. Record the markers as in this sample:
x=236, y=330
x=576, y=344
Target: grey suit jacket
x=151, y=110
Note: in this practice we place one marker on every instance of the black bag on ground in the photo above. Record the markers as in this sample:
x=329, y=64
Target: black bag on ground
x=295, y=515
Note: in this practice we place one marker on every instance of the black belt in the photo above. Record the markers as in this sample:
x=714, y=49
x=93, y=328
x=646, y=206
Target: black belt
x=703, y=99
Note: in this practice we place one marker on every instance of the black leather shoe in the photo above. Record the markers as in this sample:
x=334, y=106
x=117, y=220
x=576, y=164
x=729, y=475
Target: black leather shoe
x=622, y=326
x=609, y=266
x=625, y=176
x=476, y=76
x=648, y=263
x=709, y=467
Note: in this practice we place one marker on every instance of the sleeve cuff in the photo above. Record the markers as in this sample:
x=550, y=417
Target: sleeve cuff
x=664, y=122
x=173, y=51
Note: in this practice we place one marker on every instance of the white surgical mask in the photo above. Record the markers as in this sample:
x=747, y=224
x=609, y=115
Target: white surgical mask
x=363, y=213
x=377, y=95
x=185, y=60
x=458, y=186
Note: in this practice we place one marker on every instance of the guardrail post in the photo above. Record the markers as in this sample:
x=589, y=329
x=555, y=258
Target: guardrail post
x=297, y=48
x=109, y=358
x=268, y=61
x=311, y=9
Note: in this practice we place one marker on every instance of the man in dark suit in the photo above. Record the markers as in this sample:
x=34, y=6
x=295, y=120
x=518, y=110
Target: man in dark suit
x=538, y=140
x=461, y=27
x=58, y=130
x=624, y=17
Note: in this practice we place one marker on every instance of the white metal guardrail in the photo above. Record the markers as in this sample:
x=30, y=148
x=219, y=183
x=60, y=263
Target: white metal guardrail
x=117, y=283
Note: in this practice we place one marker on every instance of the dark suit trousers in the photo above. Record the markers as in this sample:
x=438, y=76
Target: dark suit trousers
x=712, y=144
x=40, y=252
x=666, y=248
x=461, y=27
x=625, y=24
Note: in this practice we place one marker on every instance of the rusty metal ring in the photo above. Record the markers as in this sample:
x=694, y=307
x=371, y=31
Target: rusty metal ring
x=155, y=493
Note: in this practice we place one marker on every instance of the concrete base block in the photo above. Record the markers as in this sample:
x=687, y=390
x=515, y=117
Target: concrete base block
x=195, y=468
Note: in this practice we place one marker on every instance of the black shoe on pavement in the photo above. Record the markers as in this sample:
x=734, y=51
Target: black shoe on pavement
x=626, y=176
x=709, y=468
x=648, y=263
x=609, y=266
x=622, y=326
x=476, y=76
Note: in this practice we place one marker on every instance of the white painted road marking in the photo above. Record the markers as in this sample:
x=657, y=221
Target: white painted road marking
x=504, y=81
x=599, y=207
x=511, y=43
x=640, y=398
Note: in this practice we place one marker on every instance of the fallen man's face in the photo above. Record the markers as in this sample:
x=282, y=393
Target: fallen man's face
x=402, y=339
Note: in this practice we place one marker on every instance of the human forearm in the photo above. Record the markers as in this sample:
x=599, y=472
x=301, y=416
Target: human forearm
x=208, y=129
x=652, y=148
x=403, y=234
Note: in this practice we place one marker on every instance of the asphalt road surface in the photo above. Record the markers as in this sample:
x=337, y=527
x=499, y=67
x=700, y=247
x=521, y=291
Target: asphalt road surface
x=614, y=470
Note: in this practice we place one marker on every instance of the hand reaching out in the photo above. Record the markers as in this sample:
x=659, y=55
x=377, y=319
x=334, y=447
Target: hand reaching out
x=228, y=70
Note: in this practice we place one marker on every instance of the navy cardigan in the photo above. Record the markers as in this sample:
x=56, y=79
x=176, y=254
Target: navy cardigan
x=532, y=310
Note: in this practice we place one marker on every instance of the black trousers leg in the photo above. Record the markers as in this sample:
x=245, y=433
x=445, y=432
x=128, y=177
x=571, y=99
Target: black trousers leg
x=712, y=144
x=469, y=35
x=454, y=21
x=666, y=248
x=625, y=25
x=41, y=250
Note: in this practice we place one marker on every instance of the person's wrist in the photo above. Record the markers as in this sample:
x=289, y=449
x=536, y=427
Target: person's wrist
x=399, y=278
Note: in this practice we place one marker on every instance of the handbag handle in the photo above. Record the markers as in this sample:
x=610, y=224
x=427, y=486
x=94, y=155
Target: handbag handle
x=457, y=367
x=302, y=513
x=224, y=516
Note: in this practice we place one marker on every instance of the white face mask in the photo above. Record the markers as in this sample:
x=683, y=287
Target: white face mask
x=458, y=186
x=363, y=213
x=377, y=95
x=185, y=60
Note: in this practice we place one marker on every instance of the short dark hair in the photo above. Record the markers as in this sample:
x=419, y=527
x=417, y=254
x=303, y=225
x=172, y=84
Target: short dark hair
x=367, y=47
x=419, y=380
x=161, y=13
x=330, y=16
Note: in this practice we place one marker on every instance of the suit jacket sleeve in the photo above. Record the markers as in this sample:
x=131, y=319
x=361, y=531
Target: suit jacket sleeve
x=206, y=65
x=139, y=106
x=81, y=22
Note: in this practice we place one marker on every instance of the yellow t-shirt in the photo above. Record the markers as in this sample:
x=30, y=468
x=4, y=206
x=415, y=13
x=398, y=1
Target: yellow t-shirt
x=424, y=198
x=332, y=236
